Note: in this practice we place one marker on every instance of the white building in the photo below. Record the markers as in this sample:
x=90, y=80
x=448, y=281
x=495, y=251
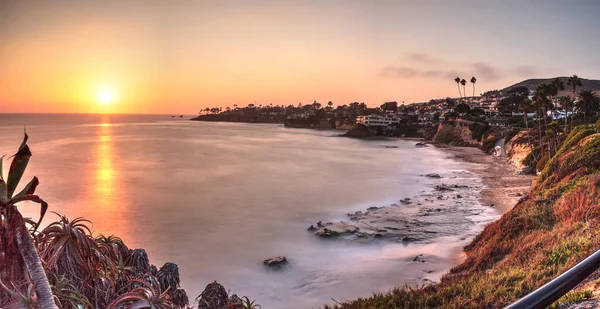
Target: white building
x=374, y=120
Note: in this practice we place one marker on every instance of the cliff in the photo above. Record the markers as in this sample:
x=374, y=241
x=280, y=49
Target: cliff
x=546, y=233
x=517, y=149
x=460, y=133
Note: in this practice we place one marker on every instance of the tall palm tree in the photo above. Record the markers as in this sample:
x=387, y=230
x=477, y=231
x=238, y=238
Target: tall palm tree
x=15, y=232
x=463, y=82
x=527, y=107
x=457, y=80
x=566, y=103
x=538, y=102
x=589, y=103
x=574, y=81
x=555, y=86
x=473, y=81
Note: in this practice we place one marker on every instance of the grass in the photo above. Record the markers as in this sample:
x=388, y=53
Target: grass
x=544, y=235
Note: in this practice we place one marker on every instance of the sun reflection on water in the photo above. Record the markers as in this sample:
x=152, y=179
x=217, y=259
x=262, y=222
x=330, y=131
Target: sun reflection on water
x=107, y=193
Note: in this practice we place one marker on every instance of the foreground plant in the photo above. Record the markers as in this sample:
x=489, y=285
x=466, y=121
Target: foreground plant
x=147, y=294
x=14, y=235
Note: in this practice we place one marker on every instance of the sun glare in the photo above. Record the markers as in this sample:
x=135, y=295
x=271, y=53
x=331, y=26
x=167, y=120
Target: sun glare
x=106, y=95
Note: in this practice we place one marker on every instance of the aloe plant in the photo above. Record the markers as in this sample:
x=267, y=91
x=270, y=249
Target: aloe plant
x=14, y=229
x=147, y=294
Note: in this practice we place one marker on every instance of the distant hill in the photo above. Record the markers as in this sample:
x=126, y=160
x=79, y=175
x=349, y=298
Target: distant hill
x=588, y=84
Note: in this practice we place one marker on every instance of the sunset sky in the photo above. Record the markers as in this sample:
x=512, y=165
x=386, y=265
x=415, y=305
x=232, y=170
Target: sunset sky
x=177, y=56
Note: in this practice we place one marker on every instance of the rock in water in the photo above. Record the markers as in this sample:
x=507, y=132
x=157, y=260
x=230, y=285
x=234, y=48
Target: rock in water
x=214, y=296
x=433, y=175
x=420, y=145
x=275, y=261
x=311, y=228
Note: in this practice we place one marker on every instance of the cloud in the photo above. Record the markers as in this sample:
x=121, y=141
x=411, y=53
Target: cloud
x=423, y=58
x=481, y=70
x=526, y=70
x=399, y=72
x=486, y=71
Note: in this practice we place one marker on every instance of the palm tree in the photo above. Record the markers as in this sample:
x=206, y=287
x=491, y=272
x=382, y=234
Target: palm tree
x=588, y=103
x=457, y=80
x=574, y=81
x=15, y=232
x=473, y=81
x=463, y=83
x=566, y=103
x=527, y=107
x=555, y=86
x=538, y=103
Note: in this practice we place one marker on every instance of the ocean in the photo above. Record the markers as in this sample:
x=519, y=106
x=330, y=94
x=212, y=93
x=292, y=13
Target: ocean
x=218, y=198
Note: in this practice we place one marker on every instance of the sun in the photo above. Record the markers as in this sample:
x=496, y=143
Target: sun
x=106, y=95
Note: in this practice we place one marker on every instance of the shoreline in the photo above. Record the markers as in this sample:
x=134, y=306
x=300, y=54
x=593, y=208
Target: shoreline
x=438, y=225
x=503, y=186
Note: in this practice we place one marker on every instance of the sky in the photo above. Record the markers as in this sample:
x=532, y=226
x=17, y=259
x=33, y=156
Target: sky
x=177, y=57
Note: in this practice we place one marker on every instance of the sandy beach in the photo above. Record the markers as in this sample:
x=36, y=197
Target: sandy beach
x=503, y=186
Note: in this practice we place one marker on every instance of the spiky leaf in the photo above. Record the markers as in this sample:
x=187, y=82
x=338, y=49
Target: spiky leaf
x=29, y=188
x=17, y=167
x=3, y=195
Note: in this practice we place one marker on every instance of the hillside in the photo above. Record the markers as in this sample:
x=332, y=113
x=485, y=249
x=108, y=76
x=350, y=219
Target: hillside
x=588, y=84
x=546, y=233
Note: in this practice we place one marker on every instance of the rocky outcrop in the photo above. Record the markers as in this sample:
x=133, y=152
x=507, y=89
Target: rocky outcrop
x=517, y=149
x=360, y=130
x=344, y=125
x=457, y=133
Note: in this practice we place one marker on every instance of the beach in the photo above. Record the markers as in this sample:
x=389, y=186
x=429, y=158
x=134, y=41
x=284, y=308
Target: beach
x=504, y=187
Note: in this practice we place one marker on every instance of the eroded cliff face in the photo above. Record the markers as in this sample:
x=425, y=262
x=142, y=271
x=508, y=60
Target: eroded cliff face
x=457, y=133
x=517, y=149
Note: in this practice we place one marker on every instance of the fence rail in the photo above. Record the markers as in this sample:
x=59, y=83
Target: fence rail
x=559, y=286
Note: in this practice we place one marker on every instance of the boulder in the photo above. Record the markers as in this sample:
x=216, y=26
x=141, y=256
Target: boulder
x=275, y=261
x=433, y=175
x=421, y=145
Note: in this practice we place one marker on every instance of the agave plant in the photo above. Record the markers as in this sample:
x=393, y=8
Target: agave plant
x=16, y=245
x=147, y=294
x=69, y=250
x=248, y=304
x=168, y=277
x=113, y=248
x=213, y=296
x=66, y=294
x=138, y=259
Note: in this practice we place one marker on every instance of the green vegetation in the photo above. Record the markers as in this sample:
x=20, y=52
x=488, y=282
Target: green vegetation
x=545, y=234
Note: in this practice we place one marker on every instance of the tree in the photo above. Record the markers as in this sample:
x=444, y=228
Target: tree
x=574, y=81
x=473, y=81
x=526, y=106
x=463, y=83
x=462, y=108
x=15, y=232
x=589, y=103
x=390, y=106
x=555, y=86
x=566, y=103
x=316, y=105
x=457, y=80
x=330, y=104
